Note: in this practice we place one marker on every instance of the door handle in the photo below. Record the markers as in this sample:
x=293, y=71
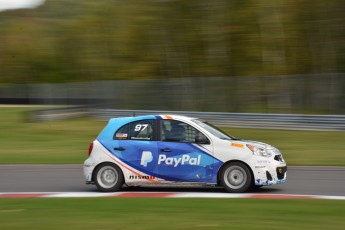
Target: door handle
x=120, y=148
x=166, y=150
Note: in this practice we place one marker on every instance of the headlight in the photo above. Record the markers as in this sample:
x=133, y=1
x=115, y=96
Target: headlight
x=258, y=151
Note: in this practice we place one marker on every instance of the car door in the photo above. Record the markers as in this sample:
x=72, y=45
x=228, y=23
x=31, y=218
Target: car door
x=180, y=158
x=136, y=145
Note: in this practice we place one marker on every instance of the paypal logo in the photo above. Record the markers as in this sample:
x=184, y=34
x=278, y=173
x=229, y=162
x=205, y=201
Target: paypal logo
x=146, y=157
x=184, y=160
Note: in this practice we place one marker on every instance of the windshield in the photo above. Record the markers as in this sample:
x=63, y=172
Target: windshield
x=213, y=130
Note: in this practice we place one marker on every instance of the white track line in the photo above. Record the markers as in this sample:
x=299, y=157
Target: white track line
x=164, y=194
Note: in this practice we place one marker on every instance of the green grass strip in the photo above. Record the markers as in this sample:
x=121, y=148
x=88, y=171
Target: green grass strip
x=170, y=213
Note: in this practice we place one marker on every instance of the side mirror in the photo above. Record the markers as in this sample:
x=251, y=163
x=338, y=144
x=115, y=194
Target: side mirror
x=202, y=140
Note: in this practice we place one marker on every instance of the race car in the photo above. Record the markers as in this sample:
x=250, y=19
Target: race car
x=174, y=149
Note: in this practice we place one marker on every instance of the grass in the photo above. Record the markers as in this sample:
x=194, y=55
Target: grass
x=58, y=142
x=64, y=142
x=170, y=213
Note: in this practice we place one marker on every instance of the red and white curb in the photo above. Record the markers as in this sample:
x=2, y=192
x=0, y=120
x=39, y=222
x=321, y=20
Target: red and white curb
x=162, y=195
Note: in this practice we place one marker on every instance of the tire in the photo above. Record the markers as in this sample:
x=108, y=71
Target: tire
x=236, y=177
x=108, y=177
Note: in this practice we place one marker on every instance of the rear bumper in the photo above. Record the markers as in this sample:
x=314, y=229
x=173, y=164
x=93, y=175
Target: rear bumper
x=88, y=168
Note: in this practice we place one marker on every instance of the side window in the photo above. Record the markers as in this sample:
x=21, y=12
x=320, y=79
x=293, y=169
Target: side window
x=178, y=131
x=122, y=133
x=137, y=130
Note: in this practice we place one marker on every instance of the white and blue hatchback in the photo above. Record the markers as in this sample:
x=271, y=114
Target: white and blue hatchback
x=171, y=149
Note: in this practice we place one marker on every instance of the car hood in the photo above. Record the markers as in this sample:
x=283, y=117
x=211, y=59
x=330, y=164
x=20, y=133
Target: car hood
x=256, y=143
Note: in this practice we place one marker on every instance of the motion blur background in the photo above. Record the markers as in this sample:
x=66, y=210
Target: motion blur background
x=277, y=56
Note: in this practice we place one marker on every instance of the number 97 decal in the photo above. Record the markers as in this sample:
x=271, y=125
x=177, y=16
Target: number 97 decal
x=140, y=127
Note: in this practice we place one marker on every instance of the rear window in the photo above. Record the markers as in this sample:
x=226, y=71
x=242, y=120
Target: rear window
x=137, y=130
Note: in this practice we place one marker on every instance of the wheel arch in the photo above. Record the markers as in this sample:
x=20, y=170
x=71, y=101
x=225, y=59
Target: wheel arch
x=234, y=161
x=104, y=163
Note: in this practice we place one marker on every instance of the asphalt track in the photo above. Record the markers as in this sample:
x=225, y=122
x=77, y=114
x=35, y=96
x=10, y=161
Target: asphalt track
x=301, y=180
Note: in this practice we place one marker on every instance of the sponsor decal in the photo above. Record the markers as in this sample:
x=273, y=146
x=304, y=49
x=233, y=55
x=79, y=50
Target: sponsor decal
x=238, y=145
x=260, y=167
x=175, y=161
x=135, y=177
x=141, y=138
x=263, y=162
x=146, y=157
x=121, y=136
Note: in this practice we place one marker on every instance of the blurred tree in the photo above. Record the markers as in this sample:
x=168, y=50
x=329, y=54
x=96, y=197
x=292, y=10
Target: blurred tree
x=87, y=40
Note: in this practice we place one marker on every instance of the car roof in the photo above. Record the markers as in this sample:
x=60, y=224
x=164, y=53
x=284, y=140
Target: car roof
x=159, y=117
x=115, y=123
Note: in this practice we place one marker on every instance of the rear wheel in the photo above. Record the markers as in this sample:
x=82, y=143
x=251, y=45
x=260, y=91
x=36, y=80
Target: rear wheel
x=108, y=177
x=236, y=177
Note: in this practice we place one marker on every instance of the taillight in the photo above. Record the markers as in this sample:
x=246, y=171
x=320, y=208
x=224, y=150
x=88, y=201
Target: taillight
x=90, y=148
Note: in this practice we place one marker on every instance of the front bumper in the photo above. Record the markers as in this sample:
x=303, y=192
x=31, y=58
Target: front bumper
x=269, y=172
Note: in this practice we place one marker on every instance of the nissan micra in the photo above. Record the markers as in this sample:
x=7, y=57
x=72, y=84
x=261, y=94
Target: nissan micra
x=172, y=149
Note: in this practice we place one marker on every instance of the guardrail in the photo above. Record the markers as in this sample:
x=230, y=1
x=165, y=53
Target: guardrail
x=243, y=120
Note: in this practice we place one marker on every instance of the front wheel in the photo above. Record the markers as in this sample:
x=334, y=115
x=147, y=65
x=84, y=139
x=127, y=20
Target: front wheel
x=236, y=177
x=108, y=177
